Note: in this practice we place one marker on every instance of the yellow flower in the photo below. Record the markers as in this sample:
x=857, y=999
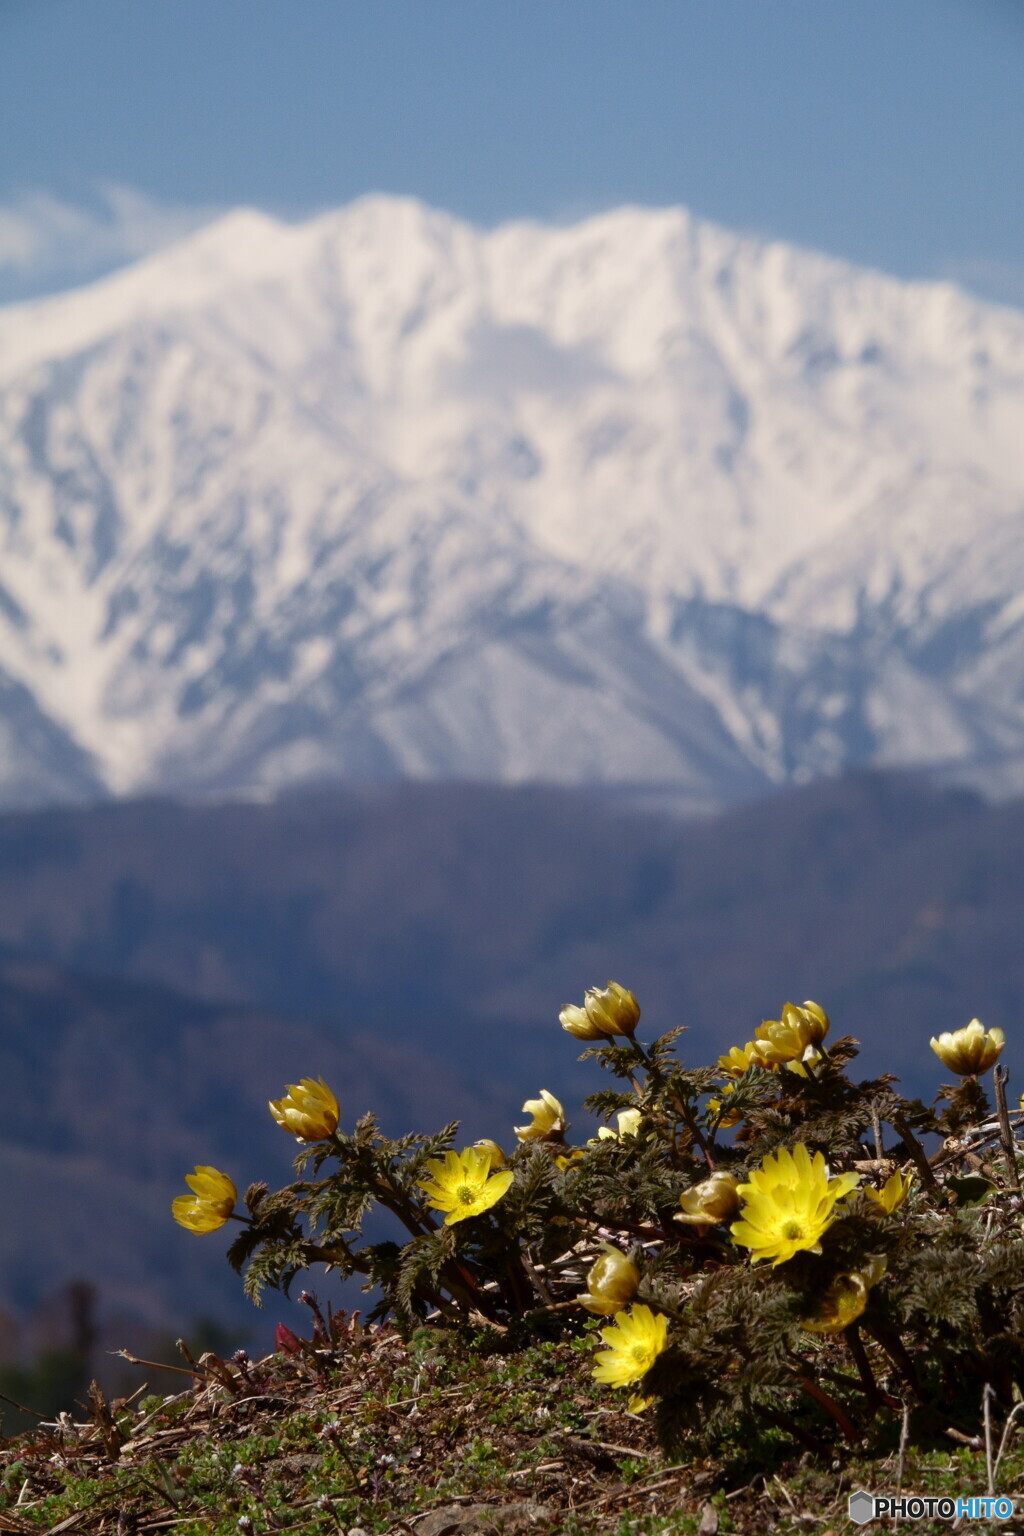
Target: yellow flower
x=841, y=1305
x=892, y=1193
x=574, y=1019
x=738, y=1058
x=606, y=1011
x=787, y=1038
x=309, y=1110
x=463, y=1185
x=495, y=1155
x=810, y=1058
x=845, y=1299
x=719, y=1114
x=970, y=1050
x=788, y=1204
x=210, y=1204
x=548, y=1122
x=629, y=1125
x=634, y=1343
x=711, y=1201
x=815, y=1019
x=611, y=1282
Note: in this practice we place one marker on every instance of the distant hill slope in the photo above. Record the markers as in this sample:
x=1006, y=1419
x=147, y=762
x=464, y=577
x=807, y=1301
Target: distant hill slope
x=113, y=1090
x=169, y=968
x=411, y=910
x=382, y=494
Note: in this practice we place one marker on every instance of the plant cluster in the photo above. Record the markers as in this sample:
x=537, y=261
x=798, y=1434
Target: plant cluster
x=775, y=1247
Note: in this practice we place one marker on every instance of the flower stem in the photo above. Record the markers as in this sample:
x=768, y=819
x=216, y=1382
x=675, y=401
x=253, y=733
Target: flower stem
x=842, y=1418
x=915, y=1150
x=689, y=1119
x=1000, y=1077
x=642, y=1052
x=874, y=1394
x=895, y=1349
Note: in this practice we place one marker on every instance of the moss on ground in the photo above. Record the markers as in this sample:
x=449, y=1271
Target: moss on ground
x=443, y=1432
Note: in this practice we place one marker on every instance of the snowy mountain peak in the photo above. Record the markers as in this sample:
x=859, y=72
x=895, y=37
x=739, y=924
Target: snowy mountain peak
x=636, y=499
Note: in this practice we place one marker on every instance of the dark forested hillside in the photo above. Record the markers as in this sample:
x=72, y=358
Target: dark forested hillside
x=167, y=968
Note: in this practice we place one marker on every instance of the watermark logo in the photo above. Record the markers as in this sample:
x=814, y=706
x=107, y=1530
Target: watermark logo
x=912, y=1506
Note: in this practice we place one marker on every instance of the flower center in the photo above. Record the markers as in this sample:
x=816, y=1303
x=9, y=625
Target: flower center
x=640, y=1353
x=792, y=1229
x=465, y=1194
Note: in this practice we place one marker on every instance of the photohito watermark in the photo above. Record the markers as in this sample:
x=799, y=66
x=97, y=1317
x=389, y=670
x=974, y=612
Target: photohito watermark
x=913, y=1506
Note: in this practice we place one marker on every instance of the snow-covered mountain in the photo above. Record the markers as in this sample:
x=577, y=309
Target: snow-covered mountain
x=634, y=501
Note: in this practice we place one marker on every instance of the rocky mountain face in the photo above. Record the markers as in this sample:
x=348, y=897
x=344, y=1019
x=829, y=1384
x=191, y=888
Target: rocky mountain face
x=637, y=501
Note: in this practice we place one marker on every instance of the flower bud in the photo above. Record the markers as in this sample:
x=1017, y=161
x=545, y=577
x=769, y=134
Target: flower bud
x=548, y=1122
x=577, y=1022
x=711, y=1202
x=611, y=1283
x=892, y=1193
x=211, y=1203
x=495, y=1155
x=787, y=1038
x=629, y=1125
x=613, y=1009
x=841, y=1304
x=738, y=1058
x=845, y=1299
x=815, y=1018
x=970, y=1050
x=309, y=1110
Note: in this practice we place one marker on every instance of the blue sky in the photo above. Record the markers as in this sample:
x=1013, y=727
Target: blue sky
x=888, y=133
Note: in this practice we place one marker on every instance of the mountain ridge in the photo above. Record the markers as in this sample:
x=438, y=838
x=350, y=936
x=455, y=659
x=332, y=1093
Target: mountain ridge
x=384, y=495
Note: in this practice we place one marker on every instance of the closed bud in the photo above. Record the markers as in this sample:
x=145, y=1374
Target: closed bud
x=970, y=1050
x=309, y=1110
x=710, y=1203
x=612, y=1009
x=496, y=1156
x=787, y=1038
x=817, y=1019
x=841, y=1304
x=577, y=1022
x=612, y=1283
x=210, y=1204
x=606, y=1012
x=844, y=1300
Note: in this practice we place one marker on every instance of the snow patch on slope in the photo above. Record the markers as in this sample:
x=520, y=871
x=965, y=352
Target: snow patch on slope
x=634, y=500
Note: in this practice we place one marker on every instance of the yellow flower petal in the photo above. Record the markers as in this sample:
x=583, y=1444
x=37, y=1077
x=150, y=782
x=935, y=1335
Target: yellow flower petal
x=892, y=1193
x=548, y=1121
x=634, y=1344
x=463, y=1185
x=787, y=1204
